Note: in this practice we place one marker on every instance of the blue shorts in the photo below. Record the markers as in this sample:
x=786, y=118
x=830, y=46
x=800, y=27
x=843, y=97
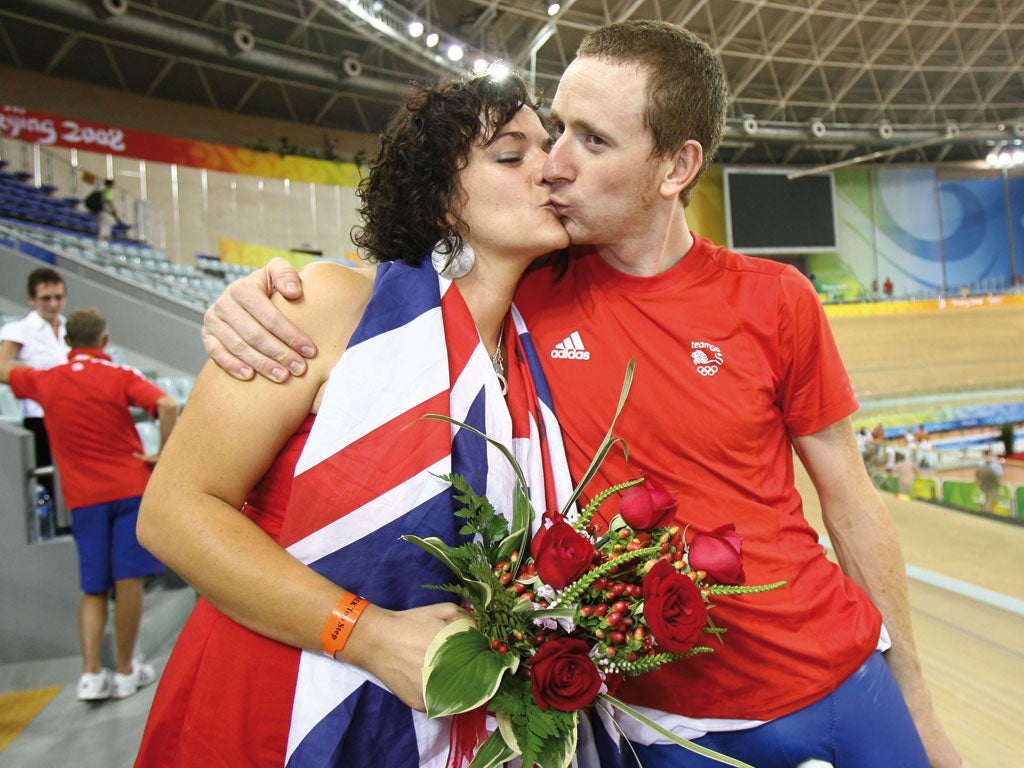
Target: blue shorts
x=863, y=724
x=108, y=549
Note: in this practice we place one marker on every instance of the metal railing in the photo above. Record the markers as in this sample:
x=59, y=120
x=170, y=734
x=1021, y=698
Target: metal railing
x=46, y=168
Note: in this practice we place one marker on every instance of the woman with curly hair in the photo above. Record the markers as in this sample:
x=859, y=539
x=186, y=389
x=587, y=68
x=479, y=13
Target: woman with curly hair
x=283, y=505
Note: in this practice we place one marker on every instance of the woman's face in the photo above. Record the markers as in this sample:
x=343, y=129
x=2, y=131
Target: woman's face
x=506, y=203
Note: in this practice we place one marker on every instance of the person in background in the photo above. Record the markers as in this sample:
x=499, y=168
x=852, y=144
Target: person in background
x=103, y=473
x=910, y=437
x=37, y=341
x=905, y=471
x=107, y=216
x=727, y=348
x=989, y=476
x=866, y=446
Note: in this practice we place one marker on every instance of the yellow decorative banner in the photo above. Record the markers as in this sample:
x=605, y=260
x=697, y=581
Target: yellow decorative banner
x=929, y=305
x=255, y=256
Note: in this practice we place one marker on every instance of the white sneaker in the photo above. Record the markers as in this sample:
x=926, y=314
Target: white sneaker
x=95, y=686
x=127, y=685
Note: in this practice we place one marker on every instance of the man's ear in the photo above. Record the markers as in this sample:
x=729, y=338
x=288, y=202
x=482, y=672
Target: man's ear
x=681, y=173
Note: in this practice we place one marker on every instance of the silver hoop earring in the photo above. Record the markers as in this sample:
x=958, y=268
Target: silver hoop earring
x=450, y=262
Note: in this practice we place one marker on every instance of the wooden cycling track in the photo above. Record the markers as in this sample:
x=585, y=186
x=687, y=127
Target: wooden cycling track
x=967, y=571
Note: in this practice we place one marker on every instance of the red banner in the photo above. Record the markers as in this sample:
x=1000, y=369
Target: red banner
x=54, y=130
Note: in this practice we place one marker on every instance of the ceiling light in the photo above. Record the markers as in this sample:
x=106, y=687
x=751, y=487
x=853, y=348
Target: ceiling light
x=432, y=40
x=499, y=70
x=553, y=9
x=1004, y=158
x=415, y=28
x=455, y=52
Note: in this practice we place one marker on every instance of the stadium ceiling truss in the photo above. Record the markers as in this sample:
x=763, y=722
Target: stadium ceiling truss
x=813, y=82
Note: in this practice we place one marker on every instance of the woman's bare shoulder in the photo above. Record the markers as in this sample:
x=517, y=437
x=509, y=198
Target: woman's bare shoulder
x=333, y=299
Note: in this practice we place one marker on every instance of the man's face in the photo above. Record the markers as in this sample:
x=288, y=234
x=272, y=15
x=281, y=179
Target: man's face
x=602, y=175
x=49, y=300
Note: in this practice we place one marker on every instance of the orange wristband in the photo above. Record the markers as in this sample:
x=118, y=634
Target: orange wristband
x=341, y=622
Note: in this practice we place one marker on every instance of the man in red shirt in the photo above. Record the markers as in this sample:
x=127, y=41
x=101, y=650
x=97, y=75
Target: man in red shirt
x=736, y=368
x=103, y=472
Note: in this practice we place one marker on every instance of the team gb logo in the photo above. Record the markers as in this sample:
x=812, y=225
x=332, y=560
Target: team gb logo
x=706, y=357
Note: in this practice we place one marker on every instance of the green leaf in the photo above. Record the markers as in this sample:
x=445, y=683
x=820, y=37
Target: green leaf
x=742, y=589
x=607, y=444
x=493, y=752
x=523, y=513
x=558, y=751
x=454, y=558
x=484, y=520
x=544, y=739
x=558, y=612
x=495, y=443
x=508, y=733
x=446, y=553
x=462, y=671
x=522, y=519
x=513, y=543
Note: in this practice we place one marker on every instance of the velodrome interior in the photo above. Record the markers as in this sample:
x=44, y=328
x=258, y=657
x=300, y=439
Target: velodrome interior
x=966, y=569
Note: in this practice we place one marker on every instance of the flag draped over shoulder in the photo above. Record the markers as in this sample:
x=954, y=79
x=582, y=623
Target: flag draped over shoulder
x=369, y=473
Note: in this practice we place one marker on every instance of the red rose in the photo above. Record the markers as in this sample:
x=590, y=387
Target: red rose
x=647, y=506
x=718, y=553
x=673, y=608
x=563, y=675
x=561, y=554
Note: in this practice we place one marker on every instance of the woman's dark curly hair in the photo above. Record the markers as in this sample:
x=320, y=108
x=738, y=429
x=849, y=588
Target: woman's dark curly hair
x=409, y=198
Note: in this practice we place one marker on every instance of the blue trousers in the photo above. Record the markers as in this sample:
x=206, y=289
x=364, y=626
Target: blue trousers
x=863, y=724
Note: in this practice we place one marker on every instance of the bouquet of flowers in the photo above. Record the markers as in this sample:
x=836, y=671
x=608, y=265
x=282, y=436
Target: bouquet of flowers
x=556, y=621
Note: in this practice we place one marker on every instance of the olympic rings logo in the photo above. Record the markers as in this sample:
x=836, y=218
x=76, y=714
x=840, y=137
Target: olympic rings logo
x=707, y=370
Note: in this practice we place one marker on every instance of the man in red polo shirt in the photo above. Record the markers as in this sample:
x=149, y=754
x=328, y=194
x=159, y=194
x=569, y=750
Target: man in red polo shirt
x=103, y=472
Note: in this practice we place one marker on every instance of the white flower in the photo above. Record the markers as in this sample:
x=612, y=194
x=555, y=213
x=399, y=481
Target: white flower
x=545, y=592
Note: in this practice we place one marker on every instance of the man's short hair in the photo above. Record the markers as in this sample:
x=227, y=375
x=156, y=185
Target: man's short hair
x=687, y=93
x=85, y=328
x=42, y=276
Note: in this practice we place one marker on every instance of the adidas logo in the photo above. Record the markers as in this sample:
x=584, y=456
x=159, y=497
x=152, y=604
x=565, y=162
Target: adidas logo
x=570, y=348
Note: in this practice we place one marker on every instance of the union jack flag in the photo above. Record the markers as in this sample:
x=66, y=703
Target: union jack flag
x=369, y=473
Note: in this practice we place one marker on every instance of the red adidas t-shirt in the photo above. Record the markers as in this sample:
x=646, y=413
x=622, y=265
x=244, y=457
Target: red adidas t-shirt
x=733, y=354
x=92, y=433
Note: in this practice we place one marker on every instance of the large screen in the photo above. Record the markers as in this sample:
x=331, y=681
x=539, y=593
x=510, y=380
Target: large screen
x=767, y=213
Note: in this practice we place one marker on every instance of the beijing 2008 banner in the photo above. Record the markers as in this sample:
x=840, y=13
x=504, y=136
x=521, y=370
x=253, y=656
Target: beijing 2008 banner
x=55, y=130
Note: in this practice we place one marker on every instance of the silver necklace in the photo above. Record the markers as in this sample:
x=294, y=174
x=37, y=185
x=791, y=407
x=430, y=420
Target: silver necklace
x=499, y=363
